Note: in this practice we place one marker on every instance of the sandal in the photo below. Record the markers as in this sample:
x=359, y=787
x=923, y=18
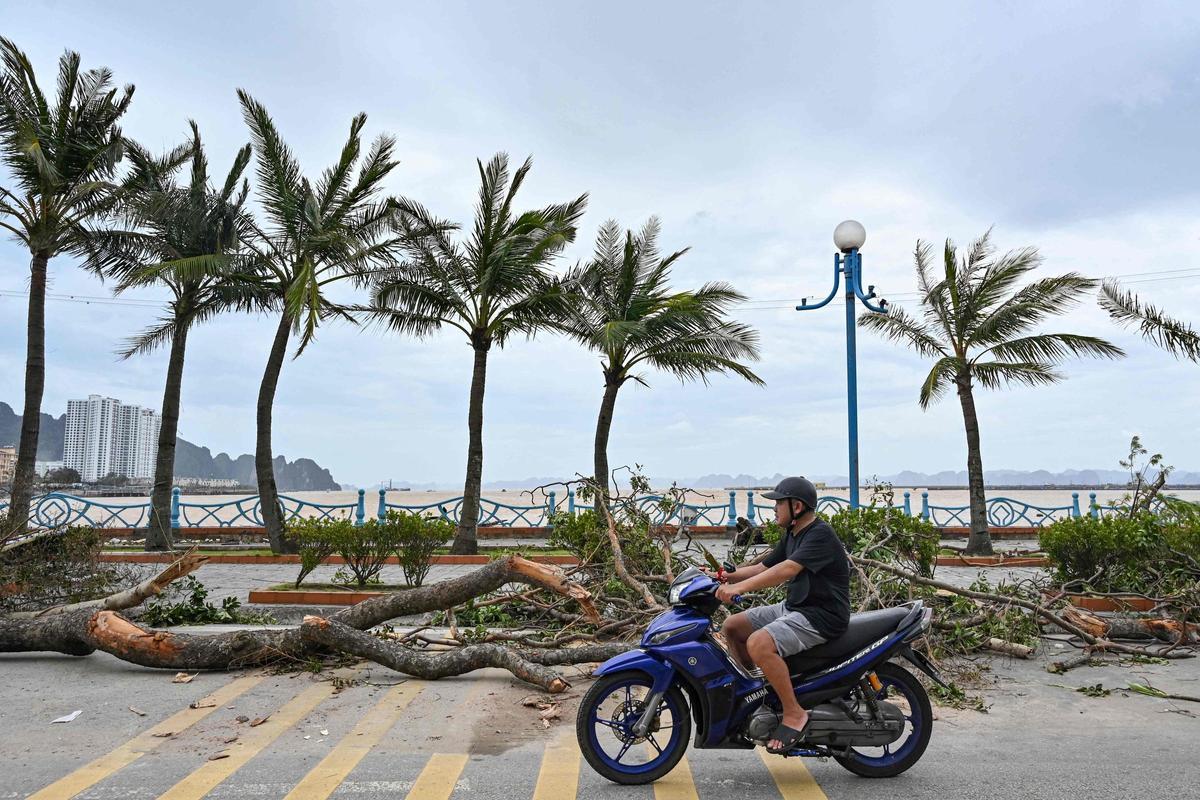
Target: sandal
x=787, y=737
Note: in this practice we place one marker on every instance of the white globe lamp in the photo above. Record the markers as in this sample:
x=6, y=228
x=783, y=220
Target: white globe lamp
x=849, y=235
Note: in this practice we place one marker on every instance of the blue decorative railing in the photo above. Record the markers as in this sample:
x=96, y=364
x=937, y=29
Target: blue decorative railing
x=491, y=512
x=56, y=509
x=1002, y=512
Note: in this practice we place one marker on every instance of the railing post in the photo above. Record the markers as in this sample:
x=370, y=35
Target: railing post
x=907, y=504
x=553, y=506
x=1075, y=504
x=925, y=505
x=381, y=514
x=750, y=507
x=571, y=501
x=732, y=510
x=175, y=508
x=360, y=511
x=1093, y=509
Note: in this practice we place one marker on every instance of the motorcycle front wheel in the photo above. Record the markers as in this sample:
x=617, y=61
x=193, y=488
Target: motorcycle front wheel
x=902, y=689
x=604, y=726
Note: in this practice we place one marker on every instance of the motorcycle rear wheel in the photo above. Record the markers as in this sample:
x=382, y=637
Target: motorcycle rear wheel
x=897, y=683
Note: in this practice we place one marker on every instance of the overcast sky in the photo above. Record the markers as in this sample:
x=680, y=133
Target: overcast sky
x=751, y=130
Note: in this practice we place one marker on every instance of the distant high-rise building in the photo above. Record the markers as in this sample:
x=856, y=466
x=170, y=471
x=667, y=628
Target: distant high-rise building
x=103, y=436
x=8, y=463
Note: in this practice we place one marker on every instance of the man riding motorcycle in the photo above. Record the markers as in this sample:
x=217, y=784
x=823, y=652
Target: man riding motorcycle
x=813, y=562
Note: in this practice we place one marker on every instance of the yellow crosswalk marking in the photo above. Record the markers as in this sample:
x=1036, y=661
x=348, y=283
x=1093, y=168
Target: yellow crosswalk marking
x=325, y=777
x=676, y=784
x=559, y=777
x=794, y=780
x=91, y=774
x=212, y=773
x=438, y=779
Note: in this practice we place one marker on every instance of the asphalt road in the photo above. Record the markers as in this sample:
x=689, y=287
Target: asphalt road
x=383, y=736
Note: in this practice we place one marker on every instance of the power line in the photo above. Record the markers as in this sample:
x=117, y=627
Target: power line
x=89, y=299
x=751, y=304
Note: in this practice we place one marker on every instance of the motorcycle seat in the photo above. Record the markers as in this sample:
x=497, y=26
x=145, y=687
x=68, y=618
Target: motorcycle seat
x=864, y=629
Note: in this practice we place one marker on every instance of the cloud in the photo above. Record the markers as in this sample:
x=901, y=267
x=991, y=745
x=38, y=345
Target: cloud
x=1068, y=127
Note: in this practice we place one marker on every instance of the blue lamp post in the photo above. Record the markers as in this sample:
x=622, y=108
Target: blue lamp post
x=849, y=237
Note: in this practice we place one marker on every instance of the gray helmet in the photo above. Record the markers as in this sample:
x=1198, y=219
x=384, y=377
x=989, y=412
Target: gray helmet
x=795, y=488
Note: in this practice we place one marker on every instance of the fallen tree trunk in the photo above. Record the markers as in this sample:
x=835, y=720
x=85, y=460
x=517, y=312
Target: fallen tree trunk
x=1165, y=630
x=84, y=629
x=1096, y=642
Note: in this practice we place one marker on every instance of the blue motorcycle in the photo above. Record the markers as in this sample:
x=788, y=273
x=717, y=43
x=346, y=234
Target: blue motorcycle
x=866, y=712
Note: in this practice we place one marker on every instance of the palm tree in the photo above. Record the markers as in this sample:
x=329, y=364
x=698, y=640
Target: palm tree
x=495, y=285
x=1175, y=336
x=186, y=238
x=627, y=313
x=61, y=154
x=979, y=327
x=316, y=233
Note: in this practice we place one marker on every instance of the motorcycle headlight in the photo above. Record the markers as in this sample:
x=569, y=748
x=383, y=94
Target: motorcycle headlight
x=673, y=595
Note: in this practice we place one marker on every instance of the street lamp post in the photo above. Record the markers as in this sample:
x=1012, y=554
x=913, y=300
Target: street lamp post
x=849, y=237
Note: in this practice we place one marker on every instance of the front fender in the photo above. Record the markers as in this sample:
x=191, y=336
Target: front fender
x=660, y=672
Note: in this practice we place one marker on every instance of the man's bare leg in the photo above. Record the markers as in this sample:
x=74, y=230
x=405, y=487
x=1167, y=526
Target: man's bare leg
x=737, y=630
x=762, y=650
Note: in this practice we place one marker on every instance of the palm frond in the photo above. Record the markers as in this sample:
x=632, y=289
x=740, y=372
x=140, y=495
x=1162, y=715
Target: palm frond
x=939, y=380
x=1173, y=335
x=997, y=375
x=898, y=326
x=1051, y=348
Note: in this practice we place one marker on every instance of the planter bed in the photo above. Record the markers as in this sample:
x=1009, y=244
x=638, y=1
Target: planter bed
x=959, y=532
x=992, y=561
x=244, y=558
x=1124, y=602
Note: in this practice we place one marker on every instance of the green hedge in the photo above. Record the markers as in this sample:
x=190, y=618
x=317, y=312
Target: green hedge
x=1144, y=553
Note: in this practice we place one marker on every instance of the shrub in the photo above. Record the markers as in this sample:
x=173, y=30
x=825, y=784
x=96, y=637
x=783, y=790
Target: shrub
x=1108, y=554
x=316, y=540
x=888, y=534
x=185, y=602
x=58, y=567
x=416, y=539
x=585, y=536
x=1143, y=553
x=366, y=549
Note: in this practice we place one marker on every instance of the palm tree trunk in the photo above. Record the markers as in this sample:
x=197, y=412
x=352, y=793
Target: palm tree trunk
x=603, y=427
x=35, y=382
x=465, y=536
x=160, y=536
x=980, y=541
x=264, y=467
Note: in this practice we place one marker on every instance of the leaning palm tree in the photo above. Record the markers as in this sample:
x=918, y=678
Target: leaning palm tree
x=61, y=154
x=627, y=313
x=979, y=326
x=316, y=233
x=1173, y=335
x=188, y=239
x=495, y=285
